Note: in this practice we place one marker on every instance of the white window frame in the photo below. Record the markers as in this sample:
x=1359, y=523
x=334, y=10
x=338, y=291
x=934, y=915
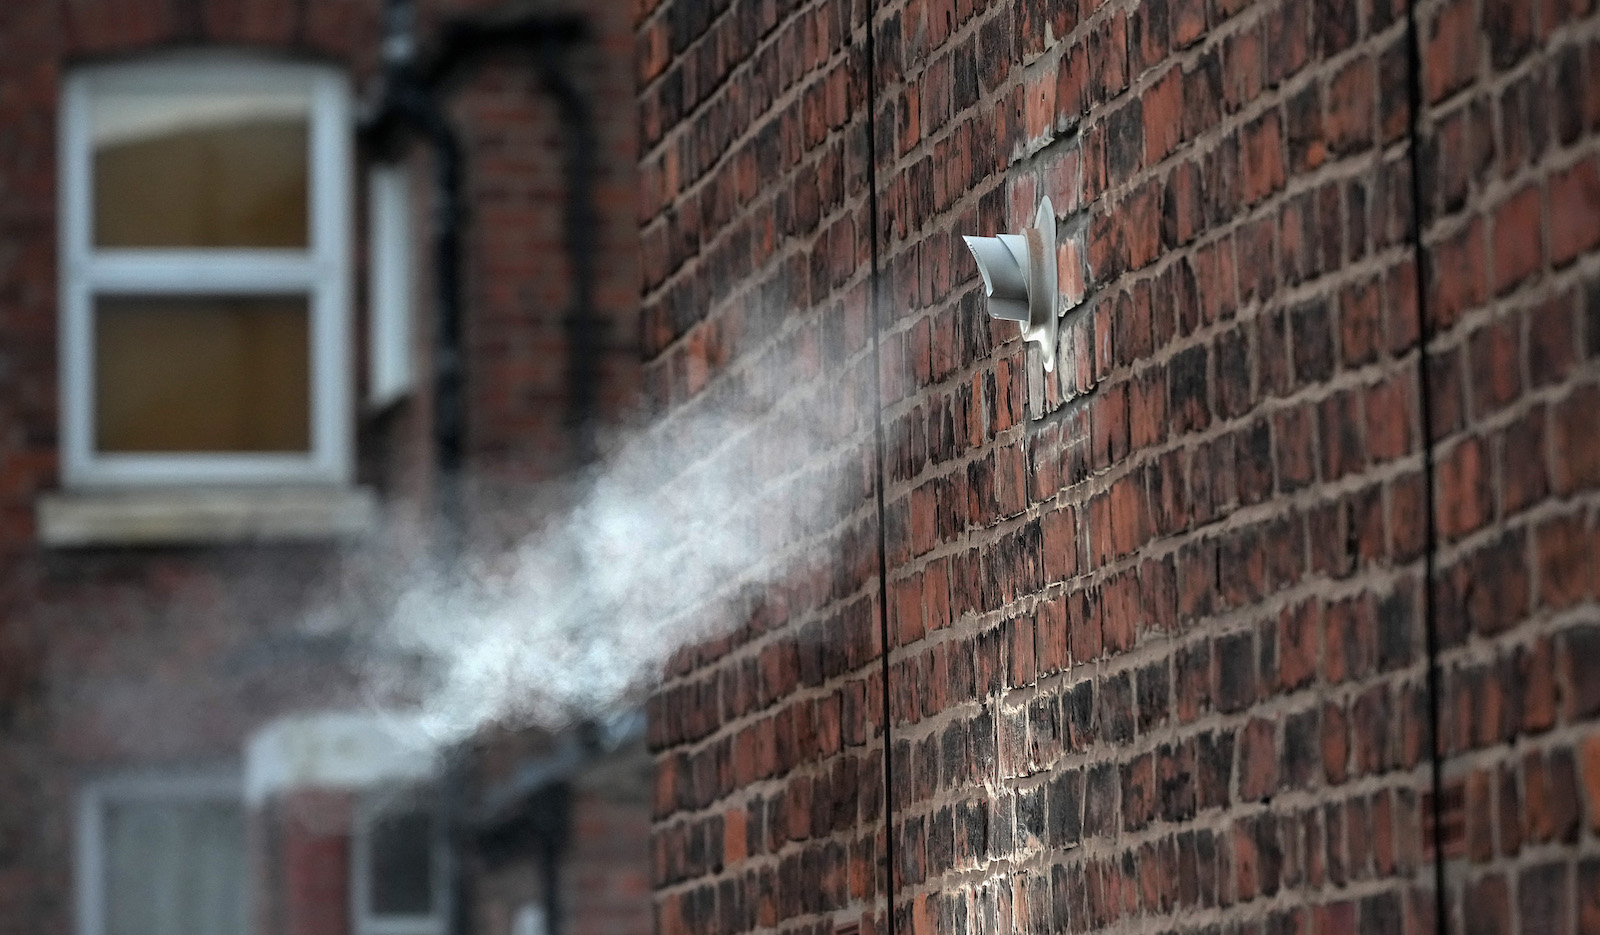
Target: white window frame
x=369, y=807
x=321, y=273
x=390, y=262
x=89, y=869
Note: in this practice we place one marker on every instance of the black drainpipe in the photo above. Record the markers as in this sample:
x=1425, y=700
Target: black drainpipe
x=1422, y=260
x=876, y=320
x=407, y=105
x=548, y=38
x=410, y=103
x=583, y=330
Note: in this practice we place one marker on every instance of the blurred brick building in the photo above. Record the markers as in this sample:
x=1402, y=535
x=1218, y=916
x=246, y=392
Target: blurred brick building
x=1273, y=607
x=217, y=307
x=1270, y=608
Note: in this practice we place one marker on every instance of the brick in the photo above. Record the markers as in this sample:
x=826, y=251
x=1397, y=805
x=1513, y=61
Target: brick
x=1551, y=797
x=1235, y=672
x=1574, y=205
x=1258, y=760
x=1214, y=774
x=1487, y=906
x=1360, y=323
x=1589, y=754
x=1580, y=653
x=1524, y=130
x=1543, y=898
x=1494, y=353
x=1518, y=238
x=1464, y=285
x=1450, y=50
x=1464, y=496
x=1263, y=157
x=1564, y=566
x=1352, y=95
x=1389, y=409
x=1292, y=433
x=1163, y=116
x=1305, y=128
x=1342, y=444
x=1576, y=445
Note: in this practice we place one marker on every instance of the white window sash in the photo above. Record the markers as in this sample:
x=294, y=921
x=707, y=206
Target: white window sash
x=389, y=296
x=321, y=273
x=89, y=869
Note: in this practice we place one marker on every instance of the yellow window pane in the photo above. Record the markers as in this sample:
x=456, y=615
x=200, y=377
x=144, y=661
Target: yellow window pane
x=209, y=374
x=201, y=169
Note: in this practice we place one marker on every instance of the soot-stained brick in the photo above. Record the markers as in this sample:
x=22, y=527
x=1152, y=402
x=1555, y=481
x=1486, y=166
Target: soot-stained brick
x=1175, y=781
x=956, y=754
x=1077, y=711
x=1302, y=757
x=1313, y=341
x=1100, y=800
x=980, y=730
x=1002, y=828
x=1236, y=672
x=1214, y=768
x=1066, y=809
x=1188, y=405
x=1030, y=804
x=1116, y=708
x=1155, y=691
x=1396, y=624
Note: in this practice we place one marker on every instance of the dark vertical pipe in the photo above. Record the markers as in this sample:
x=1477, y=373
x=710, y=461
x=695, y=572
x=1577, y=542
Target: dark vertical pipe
x=874, y=298
x=407, y=100
x=449, y=372
x=582, y=328
x=548, y=40
x=556, y=803
x=454, y=792
x=1430, y=613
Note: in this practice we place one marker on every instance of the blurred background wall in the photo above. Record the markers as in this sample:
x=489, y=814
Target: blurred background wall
x=188, y=742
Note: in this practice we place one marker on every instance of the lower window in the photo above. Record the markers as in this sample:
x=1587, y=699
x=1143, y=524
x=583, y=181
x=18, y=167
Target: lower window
x=400, y=866
x=161, y=855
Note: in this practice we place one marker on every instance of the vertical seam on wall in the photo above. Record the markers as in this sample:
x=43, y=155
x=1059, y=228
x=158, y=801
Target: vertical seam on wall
x=871, y=67
x=1430, y=551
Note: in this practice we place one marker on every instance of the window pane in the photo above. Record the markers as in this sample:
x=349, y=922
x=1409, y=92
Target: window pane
x=210, y=374
x=174, y=868
x=199, y=169
x=401, y=863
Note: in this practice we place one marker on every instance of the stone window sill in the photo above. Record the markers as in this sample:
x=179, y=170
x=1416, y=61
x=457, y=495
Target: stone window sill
x=203, y=516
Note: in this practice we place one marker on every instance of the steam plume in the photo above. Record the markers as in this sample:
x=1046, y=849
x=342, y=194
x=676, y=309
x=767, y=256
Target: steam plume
x=577, y=618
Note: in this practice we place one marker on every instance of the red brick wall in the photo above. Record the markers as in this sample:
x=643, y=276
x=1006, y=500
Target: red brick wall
x=119, y=659
x=1512, y=222
x=756, y=238
x=1160, y=634
x=606, y=873
x=301, y=860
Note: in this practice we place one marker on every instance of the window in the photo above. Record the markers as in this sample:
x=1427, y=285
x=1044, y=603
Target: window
x=399, y=867
x=390, y=263
x=205, y=262
x=162, y=854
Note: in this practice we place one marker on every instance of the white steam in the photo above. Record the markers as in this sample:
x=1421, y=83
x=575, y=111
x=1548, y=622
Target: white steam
x=577, y=619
